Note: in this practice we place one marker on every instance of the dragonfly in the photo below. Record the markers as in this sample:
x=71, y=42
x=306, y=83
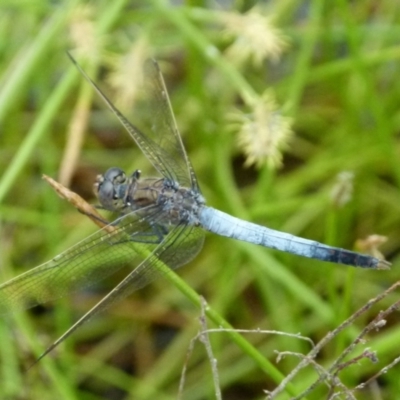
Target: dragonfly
x=161, y=221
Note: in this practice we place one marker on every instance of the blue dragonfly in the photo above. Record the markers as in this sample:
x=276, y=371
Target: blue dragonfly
x=160, y=220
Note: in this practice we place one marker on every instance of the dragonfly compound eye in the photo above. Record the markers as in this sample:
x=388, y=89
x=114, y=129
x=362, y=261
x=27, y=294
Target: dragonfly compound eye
x=107, y=194
x=115, y=175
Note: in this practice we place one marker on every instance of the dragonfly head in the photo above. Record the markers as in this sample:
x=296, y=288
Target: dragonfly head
x=111, y=189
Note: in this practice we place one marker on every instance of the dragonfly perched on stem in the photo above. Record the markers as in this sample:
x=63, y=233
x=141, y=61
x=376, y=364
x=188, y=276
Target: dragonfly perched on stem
x=161, y=221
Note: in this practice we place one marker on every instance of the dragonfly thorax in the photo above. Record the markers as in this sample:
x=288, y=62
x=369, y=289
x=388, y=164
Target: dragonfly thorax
x=180, y=204
x=119, y=193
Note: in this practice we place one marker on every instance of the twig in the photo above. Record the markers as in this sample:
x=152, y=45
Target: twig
x=79, y=203
x=375, y=324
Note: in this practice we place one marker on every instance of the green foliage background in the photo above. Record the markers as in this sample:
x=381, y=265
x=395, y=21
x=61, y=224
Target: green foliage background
x=338, y=81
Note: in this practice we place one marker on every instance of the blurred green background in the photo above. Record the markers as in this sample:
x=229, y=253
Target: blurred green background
x=323, y=75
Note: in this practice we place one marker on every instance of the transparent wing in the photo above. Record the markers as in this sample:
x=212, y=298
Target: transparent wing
x=95, y=258
x=188, y=240
x=156, y=133
x=160, y=125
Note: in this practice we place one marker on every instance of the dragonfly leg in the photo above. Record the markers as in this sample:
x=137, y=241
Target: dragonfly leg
x=155, y=236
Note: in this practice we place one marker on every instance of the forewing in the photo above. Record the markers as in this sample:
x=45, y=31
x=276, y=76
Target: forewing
x=155, y=132
x=159, y=123
x=85, y=263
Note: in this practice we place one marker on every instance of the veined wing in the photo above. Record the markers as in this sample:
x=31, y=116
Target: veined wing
x=157, y=134
x=180, y=245
x=89, y=261
x=162, y=128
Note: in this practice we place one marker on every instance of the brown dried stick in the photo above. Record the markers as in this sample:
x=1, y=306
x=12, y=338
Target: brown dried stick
x=79, y=203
